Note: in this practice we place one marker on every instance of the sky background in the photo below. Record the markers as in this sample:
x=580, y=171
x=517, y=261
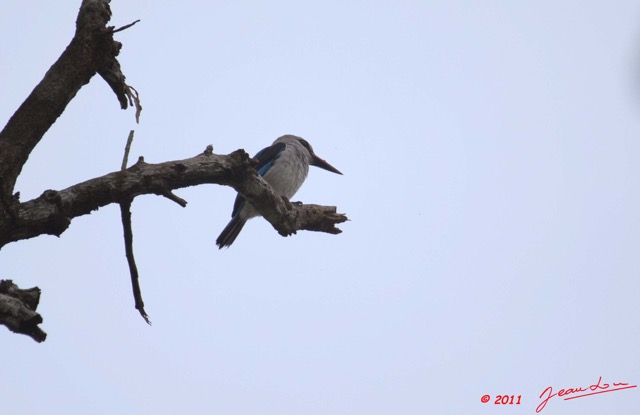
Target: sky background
x=489, y=152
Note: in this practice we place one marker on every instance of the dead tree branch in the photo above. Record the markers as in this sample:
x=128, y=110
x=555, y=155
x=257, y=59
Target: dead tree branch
x=127, y=229
x=52, y=212
x=18, y=310
x=92, y=50
x=125, y=213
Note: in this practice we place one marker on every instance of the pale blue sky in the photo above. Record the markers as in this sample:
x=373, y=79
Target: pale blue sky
x=489, y=152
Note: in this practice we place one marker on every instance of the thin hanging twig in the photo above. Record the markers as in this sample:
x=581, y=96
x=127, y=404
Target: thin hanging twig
x=125, y=213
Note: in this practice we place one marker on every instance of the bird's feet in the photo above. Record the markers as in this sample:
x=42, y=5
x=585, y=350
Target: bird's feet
x=288, y=201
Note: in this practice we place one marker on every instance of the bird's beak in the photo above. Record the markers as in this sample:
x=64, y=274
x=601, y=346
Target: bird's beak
x=318, y=162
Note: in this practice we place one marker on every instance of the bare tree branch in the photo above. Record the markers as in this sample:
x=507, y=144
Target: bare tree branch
x=127, y=150
x=125, y=212
x=127, y=228
x=51, y=213
x=125, y=27
x=92, y=50
x=18, y=310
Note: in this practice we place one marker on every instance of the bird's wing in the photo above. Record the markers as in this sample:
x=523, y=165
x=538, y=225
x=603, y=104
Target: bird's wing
x=265, y=158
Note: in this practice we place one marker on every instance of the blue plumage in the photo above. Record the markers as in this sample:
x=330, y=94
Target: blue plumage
x=267, y=156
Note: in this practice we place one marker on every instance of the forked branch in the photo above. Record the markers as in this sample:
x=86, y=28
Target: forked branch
x=52, y=212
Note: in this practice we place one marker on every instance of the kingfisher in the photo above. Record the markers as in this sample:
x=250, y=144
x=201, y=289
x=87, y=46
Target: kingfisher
x=284, y=165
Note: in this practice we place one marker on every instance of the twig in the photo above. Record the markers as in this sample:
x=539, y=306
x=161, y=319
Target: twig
x=134, y=100
x=125, y=213
x=125, y=27
x=127, y=149
x=169, y=195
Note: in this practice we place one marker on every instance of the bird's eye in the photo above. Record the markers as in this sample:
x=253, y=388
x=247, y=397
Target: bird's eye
x=306, y=144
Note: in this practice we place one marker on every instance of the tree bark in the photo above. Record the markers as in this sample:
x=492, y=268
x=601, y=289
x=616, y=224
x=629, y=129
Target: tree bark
x=51, y=213
x=92, y=50
x=18, y=310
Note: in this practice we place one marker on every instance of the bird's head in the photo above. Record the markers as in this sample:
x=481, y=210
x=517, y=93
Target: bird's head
x=315, y=160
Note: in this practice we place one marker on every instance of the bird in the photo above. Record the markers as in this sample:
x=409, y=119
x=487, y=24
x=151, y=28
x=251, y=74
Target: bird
x=284, y=165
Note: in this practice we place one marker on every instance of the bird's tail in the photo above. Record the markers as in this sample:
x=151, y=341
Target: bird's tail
x=230, y=232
